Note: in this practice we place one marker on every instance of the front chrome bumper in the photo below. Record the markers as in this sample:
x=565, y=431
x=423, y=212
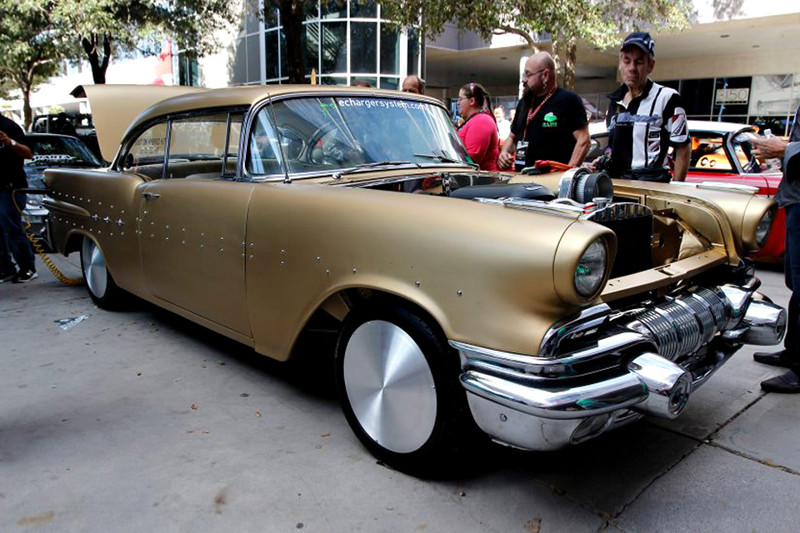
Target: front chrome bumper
x=618, y=367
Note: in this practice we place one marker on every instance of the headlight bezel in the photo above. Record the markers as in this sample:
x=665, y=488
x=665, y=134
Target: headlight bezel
x=762, y=233
x=592, y=269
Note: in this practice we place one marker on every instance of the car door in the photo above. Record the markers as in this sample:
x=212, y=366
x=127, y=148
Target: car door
x=192, y=222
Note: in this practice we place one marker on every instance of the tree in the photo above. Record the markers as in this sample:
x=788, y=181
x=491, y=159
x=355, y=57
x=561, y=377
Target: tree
x=31, y=47
x=105, y=27
x=596, y=22
x=292, y=14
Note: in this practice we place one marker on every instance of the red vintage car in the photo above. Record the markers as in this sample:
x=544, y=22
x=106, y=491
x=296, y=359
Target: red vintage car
x=721, y=154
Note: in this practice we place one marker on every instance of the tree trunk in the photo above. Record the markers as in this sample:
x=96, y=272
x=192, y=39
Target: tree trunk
x=292, y=13
x=570, y=54
x=99, y=65
x=27, y=111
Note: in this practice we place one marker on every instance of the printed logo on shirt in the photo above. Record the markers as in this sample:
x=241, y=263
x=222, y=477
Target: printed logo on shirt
x=550, y=120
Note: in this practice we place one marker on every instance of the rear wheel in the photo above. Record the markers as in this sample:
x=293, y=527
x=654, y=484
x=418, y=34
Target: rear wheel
x=102, y=288
x=398, y=386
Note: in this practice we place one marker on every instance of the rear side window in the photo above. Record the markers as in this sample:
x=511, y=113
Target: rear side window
x=204, y=146
x=146, y=154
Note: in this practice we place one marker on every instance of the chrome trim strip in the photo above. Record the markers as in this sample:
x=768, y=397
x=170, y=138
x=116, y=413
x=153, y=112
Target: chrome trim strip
x=731, y=187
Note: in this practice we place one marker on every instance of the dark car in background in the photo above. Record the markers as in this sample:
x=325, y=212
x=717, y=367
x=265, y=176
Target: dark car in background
x=78, y=125
x=51, y=151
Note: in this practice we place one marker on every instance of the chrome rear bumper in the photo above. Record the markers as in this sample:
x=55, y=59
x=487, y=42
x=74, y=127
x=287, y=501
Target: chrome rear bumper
x=519, y=400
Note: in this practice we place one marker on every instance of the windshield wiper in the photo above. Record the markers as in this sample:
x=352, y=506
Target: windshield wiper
x=376, y=164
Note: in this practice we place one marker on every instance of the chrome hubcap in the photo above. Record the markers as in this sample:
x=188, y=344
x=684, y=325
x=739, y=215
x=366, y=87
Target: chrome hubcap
x=390, y=386
x=94, y=268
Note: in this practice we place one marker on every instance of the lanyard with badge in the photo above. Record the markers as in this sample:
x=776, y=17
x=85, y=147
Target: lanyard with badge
x=522, y=144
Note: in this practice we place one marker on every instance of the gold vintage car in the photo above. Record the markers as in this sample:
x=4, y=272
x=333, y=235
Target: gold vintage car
x=545, y=310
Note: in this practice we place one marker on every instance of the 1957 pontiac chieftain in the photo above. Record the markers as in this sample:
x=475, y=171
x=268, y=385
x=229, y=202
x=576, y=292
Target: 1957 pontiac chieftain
x=545, y=310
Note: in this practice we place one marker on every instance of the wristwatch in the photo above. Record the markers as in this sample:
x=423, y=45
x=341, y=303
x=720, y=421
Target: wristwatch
x=13, y=143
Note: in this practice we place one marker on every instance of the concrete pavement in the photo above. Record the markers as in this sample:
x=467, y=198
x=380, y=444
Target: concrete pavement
x=141, y=421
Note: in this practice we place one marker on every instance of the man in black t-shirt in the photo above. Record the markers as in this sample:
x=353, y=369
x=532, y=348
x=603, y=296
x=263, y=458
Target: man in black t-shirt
x=13, y=153
x=550, y=122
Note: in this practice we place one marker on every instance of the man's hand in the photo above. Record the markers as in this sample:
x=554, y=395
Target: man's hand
x=768, y=147
x=506, y=157
x=5, y=140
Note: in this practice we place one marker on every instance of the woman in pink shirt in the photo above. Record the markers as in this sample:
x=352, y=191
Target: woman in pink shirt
x=479, y=130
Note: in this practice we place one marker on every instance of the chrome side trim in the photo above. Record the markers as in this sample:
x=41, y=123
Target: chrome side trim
x=731, y=187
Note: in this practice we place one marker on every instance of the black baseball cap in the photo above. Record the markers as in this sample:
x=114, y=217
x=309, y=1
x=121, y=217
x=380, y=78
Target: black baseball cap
x=642, y=40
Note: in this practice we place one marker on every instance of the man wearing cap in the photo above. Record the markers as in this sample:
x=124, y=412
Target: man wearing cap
x=644, y=118
x=788, y=197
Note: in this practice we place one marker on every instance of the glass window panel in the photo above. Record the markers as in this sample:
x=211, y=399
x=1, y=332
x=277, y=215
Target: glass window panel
x=271, y=17
x=390, y=49
x=240, y=63
x=337, y=133
x=284, y=54
x=336, y=9
x=253, y=58
x=731, y=96
x=334, y=47
x=251, y=16
x=413, y=52
x=311, y=47
x=363, y=44
x=772, y=95
x=196, y=138
x=271, y=50
x=363, y=9
x=310, y=10
x=390, y=83
x=359, y=81
x=697, y=96
x=146, y=154
x=333, y=80
x=264, y=149
x=672, y=84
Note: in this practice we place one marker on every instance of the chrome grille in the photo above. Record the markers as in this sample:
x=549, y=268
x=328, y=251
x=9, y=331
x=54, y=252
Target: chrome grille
x=682, y=324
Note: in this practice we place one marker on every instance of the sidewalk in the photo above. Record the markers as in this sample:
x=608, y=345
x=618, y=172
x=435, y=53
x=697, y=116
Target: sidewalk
x=141, y=421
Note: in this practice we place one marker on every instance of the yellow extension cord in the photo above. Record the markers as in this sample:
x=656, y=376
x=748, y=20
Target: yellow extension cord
x=60, y=276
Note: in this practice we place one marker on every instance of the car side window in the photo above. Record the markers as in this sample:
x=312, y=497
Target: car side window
x=263, y=147
x=146, y=154
x=197, y=146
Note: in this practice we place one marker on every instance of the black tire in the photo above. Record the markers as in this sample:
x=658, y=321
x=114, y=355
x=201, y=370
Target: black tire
x=99, y=281
x=397, y=381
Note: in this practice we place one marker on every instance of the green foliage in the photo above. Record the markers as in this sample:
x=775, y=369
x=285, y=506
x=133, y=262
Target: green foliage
x=30, y=46
x=133, y=23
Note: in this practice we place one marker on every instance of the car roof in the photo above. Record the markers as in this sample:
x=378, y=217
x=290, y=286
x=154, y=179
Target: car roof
x=117, y=109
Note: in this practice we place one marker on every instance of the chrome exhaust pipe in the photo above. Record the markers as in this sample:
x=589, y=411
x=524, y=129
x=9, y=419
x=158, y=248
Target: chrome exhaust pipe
x=765, y=323
x=667, y=384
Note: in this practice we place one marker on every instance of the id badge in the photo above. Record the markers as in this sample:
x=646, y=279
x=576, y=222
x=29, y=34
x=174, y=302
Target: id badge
x=522, y=149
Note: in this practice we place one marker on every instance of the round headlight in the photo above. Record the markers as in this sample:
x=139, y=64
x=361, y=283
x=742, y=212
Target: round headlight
x=762, y=231
x=591, y=268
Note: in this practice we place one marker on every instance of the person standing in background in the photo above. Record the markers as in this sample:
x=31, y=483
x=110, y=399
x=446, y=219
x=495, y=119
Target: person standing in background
x=478, y=132
x=788, y=197
x=550, y=122
x=13, y=242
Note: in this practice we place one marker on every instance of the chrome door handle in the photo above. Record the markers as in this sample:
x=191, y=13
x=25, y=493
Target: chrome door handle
x=151, y=195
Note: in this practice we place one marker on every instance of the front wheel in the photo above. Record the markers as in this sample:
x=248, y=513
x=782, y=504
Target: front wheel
x=102, y=288
x=398, y=386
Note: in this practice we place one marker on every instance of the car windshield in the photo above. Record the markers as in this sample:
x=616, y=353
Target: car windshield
x=743, y=148
x=331, y=134
x=61, y=151
x=708, y=152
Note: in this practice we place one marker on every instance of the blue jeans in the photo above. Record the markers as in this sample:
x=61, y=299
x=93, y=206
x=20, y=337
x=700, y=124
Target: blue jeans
x=13, y=242
x=792, y=267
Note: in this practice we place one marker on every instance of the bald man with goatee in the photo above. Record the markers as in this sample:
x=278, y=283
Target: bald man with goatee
x=550, y=123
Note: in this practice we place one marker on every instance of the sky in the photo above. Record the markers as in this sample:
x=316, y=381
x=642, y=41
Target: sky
x=750, y=8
